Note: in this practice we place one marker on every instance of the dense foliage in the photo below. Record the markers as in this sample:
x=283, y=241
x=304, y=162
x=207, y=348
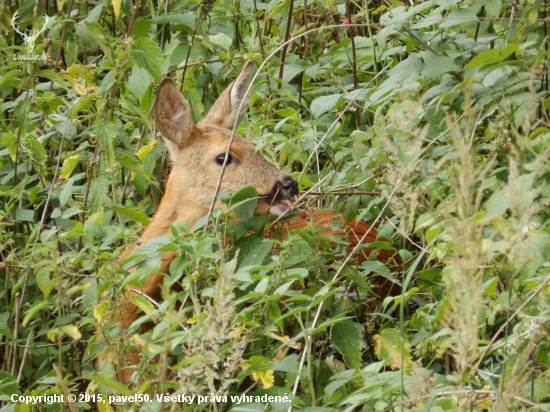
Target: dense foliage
x=428, y=120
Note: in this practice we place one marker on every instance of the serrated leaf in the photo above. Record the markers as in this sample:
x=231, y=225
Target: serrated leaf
x=98, y=190
x=289, y=364
x=222, y=40
x=390, y=348
x=43, y=280
x=139, y=81
x=91, y=33
x=133, y=163
x=106, y=135
x=142, y=303
x=376, y=267
x=147, y=55
x=346, y=336
x=323, y=104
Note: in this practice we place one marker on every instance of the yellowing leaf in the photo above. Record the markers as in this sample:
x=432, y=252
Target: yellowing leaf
x=390, y=348
x=68, y=166
x=142, y=303
x=72, y=331
x=99, y=310
x=104, y=406
x=116, y=7
x=264, y=378
x=145, y=150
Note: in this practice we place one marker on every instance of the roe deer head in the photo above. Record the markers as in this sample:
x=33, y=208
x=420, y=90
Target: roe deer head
x=198, y=152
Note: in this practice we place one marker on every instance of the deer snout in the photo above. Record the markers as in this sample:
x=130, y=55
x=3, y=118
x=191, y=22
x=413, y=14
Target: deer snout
x=289, y=187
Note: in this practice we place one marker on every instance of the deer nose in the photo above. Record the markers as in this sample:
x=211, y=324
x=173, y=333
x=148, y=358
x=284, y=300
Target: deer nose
x=289, y=187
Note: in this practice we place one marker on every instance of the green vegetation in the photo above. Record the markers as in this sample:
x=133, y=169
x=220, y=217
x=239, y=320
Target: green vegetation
x=435, y=114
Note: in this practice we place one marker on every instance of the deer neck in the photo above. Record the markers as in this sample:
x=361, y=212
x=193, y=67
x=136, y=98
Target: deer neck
x=177, y=204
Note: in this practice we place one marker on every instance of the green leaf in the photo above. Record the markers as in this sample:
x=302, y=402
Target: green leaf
x=222, y=40
x=244, y=202
x=106, y=135
x=139, y=81
x=24, y=215
x=390, y=348
x=436, y=66
x=347, y=337
x=92, y=33
x=376, y=267
x=114, y=385
x=98, y=190
x=132, y=162
x=43, y=280
x=493, y=56
x=256, y=256
x=148, y=56
x=288, y=364
x=37, y=307
x=323, y=104
x=137, y=214
x=187, y=19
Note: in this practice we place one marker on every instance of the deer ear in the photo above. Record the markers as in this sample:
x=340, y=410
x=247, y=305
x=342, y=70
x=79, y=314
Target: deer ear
x=224, y=112
x=173, y=115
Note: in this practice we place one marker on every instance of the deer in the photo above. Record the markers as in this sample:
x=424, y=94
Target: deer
x=197, y=153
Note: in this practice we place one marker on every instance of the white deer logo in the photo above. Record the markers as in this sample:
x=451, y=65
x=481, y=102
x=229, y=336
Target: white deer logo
x=30, y=38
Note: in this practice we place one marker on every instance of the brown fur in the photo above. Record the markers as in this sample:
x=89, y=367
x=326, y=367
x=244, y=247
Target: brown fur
x=193, y=151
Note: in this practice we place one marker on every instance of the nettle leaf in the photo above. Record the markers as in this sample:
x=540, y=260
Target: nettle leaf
x=106, y=135
x=390, y=348
x=288, y=364
x=139, y=81
x=147, y=55
x=222, y=40
x=132, y=162
x=92, y=33
x=323, y=104
x=98, y=191
x=347, y=337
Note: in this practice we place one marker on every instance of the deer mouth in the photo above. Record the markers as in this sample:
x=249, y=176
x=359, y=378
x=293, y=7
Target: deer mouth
x=280, y=206
x=279, y=200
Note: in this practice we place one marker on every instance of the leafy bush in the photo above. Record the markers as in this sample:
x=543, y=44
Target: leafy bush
x=428, y=120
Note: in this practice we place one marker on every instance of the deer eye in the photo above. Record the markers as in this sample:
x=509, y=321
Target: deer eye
x=220, y=158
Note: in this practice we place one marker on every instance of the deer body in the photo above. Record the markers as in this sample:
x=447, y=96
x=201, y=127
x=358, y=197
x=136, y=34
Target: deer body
x=197, y=153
